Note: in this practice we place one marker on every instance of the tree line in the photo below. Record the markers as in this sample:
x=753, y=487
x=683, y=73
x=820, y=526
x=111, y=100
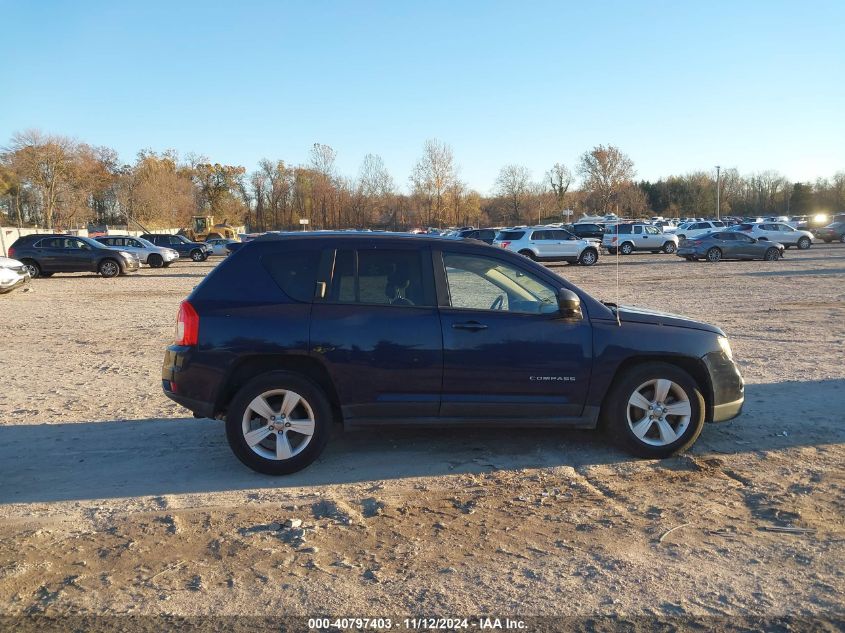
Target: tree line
x=54, y=181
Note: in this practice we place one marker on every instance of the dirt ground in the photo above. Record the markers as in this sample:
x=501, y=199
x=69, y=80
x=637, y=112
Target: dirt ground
x=114, y=500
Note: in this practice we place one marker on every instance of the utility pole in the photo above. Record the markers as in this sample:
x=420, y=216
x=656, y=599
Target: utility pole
x=718, y=188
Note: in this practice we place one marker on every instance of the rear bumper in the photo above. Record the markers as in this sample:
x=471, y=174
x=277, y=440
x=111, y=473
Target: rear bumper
x=185, y=384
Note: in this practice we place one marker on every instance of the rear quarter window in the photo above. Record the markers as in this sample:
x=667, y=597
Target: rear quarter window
x=295, y=272
x=510, y=236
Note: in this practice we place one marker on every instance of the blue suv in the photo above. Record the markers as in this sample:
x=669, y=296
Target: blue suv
x=293, y=332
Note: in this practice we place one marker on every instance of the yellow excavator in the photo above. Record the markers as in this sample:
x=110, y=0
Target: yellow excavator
x=203, y=228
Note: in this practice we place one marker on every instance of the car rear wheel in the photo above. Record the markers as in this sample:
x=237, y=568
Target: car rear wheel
x=669, y=248
x=109, y=268
x=155, y=261
x=714, y=255
x=804, y=243
x=654, y=410
x=627, y=248
x=772, y=255
x=278, y=423
x=528, y=254
x=842, y=238
x=32, y=268
x=197, y=255
x=588, y=257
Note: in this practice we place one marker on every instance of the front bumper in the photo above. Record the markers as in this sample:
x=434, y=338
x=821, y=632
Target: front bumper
x=728, y=386
x=17, y=283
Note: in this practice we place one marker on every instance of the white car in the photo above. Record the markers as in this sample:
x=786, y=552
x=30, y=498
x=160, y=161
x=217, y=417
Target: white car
x=542, y=243
x=147, y=252
x=777, y=232
x=12, y=274
x=218, y=245
x=694, y=229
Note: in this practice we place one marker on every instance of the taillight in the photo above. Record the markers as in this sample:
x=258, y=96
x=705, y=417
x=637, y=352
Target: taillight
x=187, y=325
x=696, y=243
x=12, y=252
x=504, y=244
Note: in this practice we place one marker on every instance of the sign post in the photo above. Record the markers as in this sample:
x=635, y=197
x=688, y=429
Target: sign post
x=304, y=222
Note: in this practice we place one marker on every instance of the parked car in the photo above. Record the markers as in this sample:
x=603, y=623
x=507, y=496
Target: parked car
x=218, y=245
x=777, y=232
x=147, y=252
x=43, y=255
x=831, y=233
x=485, y=235
x=378, y=329
x=544, y=244
x=13, y=274
x=694, y=229
x=728, y=245
x=197, y=251
x=627, y=238
x=586, y=230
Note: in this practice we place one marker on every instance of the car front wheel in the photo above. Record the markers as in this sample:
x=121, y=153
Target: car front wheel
x=654, y=410
x=109, y=268
x=588, y=257
x=155, y=261
x=669, y=248
x=278, y=423
x=197, y=255
x=772, y=255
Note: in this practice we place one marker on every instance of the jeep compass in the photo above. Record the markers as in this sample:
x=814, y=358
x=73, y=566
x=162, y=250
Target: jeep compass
x=293, y=332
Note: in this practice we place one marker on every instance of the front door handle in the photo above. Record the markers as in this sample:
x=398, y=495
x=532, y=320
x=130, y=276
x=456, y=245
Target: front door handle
x=473, y=326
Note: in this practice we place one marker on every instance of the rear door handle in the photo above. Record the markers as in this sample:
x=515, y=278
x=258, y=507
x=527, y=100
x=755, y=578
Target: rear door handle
x=469, y=325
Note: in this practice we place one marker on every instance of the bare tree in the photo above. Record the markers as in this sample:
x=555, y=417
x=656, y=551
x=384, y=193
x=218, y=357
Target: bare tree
x=605, y=171
x=431, y=178
x=513, y=184
x=560, y=178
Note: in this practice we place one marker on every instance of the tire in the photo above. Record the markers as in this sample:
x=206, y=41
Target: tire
x=771, y=254
x=611, y=251
x=197, y=255
x=166, y=264
x=46, y=275
x=32, y=266
x=313, y=412
x=689, y=258
x=714, y=255
x=627, y=248
x=528, y=254
x=804, y=243
x=669, y=248
x=828, y=241
x=637, y=430
x=682, y=237
x=588, y=257
x=155, y=261
x=109, y=268
x=842, y=239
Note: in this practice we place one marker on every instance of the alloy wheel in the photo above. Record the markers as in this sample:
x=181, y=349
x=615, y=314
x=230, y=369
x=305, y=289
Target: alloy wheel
x=109, y=269
x=278, y=424
x=714, y=255
x=588, y=258
x=32, y=269
x=659, y=412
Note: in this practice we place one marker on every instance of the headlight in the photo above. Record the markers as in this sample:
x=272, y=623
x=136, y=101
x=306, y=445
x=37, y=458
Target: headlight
x=126, y=255
x=725, y=344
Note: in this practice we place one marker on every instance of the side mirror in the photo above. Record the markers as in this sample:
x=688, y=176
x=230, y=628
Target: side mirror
x=569, y=304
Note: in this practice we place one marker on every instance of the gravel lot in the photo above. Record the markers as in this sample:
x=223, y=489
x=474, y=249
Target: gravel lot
x=115, y=501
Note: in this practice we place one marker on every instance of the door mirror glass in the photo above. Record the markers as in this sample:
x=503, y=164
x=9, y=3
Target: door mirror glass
x=569, y=304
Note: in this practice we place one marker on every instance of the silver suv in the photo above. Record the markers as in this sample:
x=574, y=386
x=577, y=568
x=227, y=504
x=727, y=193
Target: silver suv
x=147, y=252
x=627, y=238
x=543, y=243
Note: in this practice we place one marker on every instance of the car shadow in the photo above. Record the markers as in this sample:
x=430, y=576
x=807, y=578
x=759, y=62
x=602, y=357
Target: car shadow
x=796, y=273
x=124, y=458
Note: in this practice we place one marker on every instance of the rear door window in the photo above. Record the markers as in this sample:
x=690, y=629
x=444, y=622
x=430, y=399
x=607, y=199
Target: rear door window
x=379, y=277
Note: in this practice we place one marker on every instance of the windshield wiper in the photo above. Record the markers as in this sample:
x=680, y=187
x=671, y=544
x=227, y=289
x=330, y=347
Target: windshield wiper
x=615, y=309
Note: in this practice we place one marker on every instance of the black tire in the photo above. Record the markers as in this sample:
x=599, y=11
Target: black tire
x=842, y=239
x=611, y=251
x=714, y=255
x=804, y=243
x=197, y=255
x=627, y=248
x=279, y=380
x=616, y=409
x=109, y=268
x=588, y=257
x=34, y=269
x=689, y=258
x=828, y=241
x=46, y=275
x=528, y=254
x=155, y=261
x=771, y=254
x=682, y=237
x=669, y=248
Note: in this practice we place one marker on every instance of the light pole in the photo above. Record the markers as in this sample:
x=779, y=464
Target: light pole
x=718, y=217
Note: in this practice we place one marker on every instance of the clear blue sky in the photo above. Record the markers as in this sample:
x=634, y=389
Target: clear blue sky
x=678, y=85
